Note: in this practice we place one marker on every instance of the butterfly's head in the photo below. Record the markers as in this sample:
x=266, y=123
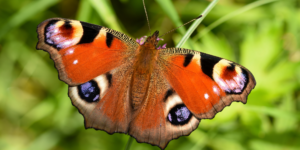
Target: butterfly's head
x=149, y=42
x=153, y=40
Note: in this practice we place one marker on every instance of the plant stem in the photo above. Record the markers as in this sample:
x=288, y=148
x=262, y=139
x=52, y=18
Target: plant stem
x=129, y=143
x=196, y=23
x=233, y=14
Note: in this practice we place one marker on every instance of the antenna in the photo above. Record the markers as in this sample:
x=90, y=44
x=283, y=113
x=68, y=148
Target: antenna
x=147, y=17
x=182, y=25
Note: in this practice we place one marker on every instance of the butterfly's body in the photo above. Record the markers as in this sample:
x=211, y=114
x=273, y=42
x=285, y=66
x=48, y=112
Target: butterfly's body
x=143, y=67
x=120, y=85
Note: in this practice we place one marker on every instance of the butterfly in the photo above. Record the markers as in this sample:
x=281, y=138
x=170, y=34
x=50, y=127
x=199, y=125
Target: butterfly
x=155, y=94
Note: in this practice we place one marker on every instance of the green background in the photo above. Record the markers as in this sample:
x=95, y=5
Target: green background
x=264, y=35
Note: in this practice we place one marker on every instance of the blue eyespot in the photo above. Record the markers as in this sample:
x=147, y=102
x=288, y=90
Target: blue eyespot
x=179, y=115
x=89, y=91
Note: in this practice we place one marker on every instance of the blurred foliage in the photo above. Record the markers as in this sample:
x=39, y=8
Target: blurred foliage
x=263, y=35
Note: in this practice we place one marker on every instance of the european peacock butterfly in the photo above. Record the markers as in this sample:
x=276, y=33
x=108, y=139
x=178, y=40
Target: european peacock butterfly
x=154, y=94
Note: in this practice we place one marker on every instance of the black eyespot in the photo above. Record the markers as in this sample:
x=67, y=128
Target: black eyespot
x=231, y=67
x=168, y=93
x=179, y=115
x=109, y=39
x=89, y=91
x=90, y=32
x=109, y=78
x=207, y=64
x=68, y=25
x=187, y=59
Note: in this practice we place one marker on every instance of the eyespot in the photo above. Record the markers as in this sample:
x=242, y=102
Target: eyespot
x=89, y=91
x=62, y=34
x=179, y=115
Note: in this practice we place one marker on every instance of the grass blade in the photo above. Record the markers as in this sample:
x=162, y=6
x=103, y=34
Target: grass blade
x=196, y=23
x=170, y=10
x=233, y=14
x=106, y=13
x=129, y=143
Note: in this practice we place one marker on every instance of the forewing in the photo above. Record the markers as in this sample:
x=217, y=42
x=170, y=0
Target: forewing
x=83, y=51
x=205, y=83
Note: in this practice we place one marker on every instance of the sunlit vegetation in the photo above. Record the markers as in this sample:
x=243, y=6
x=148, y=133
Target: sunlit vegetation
x=36, y=112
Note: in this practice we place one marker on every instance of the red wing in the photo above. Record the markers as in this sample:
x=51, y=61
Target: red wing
x=205, y=83
x=96, y=63
x=83, y=51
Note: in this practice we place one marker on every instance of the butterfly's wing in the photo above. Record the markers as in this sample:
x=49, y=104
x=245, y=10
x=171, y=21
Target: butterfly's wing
x=96, y=63
x=83, y=51
x=205, y=83
x=104, y=100
x=162, y=115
